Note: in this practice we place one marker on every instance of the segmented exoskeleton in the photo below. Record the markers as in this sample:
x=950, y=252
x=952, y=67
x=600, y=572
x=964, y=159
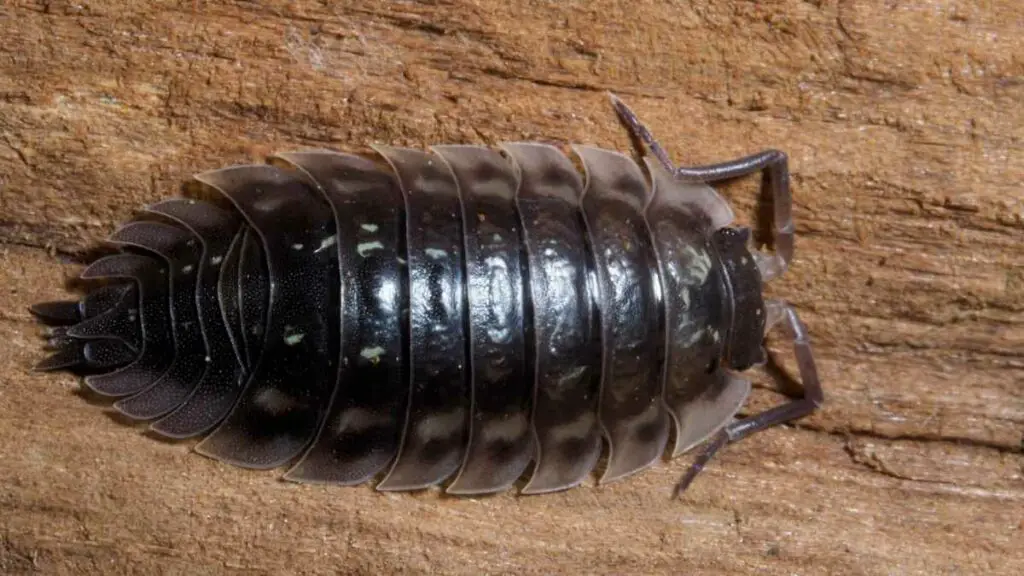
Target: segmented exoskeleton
x=452, y=314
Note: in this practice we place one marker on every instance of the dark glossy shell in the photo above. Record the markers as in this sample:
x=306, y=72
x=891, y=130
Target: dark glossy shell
x=425, y=317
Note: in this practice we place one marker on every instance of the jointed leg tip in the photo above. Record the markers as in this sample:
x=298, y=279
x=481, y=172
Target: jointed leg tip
x=684, y=484
x=677, y=492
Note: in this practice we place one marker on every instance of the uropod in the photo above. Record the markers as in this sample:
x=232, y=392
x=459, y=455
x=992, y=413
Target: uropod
x=464, y=316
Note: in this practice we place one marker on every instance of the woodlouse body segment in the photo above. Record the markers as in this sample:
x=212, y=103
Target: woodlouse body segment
x=632, y=411
x=443, y=316
x=435, y=429
x=362, y=429
x=288, y=391
x=566, y=352
x=499, y=446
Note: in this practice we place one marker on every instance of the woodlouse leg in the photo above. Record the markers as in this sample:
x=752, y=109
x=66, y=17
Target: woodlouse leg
x=793, y=410
x=775, y=165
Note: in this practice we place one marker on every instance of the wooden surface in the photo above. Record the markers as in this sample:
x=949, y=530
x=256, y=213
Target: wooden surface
x=904, y=123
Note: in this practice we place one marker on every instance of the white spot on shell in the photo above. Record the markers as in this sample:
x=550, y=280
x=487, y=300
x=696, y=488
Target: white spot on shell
x=369, y=227
x=187, y=269
x=292, y=338
x=497, y=237
x=372, y=354
x=435, y=253
x=297, y=246
x=365, y=248
x=327, y=243
x=216, y=260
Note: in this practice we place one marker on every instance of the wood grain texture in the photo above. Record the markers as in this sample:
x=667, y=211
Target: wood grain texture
x=905, y=128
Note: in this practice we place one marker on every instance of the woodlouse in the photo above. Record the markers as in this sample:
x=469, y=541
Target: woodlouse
x=460, y=312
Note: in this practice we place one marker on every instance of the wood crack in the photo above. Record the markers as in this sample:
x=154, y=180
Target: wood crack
x=859, y=433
